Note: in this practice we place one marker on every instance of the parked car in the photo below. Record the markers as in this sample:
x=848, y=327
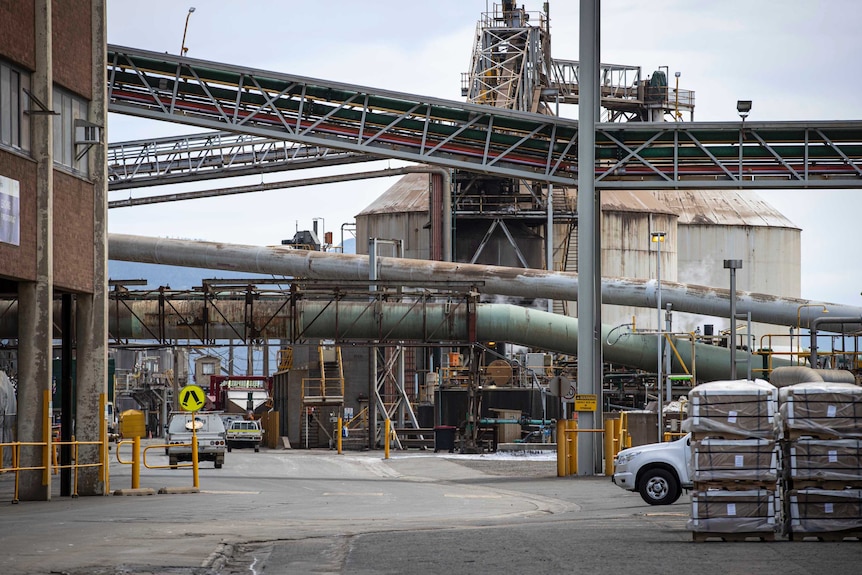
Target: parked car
x=244, y=433
x=658, y=471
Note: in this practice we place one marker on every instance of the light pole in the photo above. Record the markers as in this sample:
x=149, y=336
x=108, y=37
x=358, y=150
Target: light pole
x=183, y=48
x=676, y=115
x=732, y=265
x=658, y=239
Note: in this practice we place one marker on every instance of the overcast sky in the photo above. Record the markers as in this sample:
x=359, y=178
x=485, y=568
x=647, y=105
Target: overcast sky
x=795, y=59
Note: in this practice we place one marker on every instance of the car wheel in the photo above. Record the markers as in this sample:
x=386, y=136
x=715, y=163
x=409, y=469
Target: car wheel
x=256, y=448
x=229, y=447
x=659, y=487
x=218, y=463
x=173, y=461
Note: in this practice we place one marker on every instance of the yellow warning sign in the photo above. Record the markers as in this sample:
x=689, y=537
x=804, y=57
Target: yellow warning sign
x=586, y=402
x=192, y=398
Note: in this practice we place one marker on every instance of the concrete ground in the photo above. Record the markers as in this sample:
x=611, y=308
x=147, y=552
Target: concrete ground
x=294, y=511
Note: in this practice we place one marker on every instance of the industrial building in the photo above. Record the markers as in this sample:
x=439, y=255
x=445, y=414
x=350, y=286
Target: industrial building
x=462, y=310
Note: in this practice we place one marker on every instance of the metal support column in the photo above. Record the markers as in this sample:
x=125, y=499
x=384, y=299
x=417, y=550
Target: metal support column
x=589, y=267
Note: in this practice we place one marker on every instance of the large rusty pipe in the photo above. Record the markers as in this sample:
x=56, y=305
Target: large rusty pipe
x=519, y=282
x=393, y=321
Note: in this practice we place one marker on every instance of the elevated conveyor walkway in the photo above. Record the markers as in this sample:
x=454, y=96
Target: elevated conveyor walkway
x=484, y=139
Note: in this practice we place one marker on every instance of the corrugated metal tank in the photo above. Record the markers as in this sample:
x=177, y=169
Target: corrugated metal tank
x=717, y=225
x=704, y=227
x=628, y=219
x=401, y=212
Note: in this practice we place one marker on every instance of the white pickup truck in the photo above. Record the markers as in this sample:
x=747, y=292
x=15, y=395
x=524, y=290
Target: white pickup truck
x=210, y=432
x=658, y=471
x=244, y=433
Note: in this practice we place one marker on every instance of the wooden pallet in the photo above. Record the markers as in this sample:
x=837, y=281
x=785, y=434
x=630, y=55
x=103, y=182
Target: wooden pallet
x=700, y=537
x=702, y=435
x=825, y=484
x=735, y=485
x=794, y=434
x=846, y=534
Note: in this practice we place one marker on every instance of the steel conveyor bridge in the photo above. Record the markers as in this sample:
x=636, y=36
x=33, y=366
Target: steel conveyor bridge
x=323, y=114
x=210, y=155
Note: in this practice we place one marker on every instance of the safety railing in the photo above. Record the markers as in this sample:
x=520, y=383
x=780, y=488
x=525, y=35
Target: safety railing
x=51, y=464
x=317, y=391
x=140, y=457
x=567, y=447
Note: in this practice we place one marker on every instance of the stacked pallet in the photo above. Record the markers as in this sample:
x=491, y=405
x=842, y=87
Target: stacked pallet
x=735, y=460
x=821, y=483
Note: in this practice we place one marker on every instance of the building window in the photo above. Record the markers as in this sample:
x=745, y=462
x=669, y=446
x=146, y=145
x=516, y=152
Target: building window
x=69, y=108
x=14, y=122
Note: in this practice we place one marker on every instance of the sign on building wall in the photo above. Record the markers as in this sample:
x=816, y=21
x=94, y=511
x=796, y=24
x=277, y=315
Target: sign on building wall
x=10, y=215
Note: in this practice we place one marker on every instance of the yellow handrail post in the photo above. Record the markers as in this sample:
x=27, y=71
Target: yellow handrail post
x=16, y=457
x=103, y=445
x=618, y=434
x=195, y=476
x=609, y=447
x=75, y=474
x=136, y=462
x=572, y=449
x=46, y=433
x=561, y=448
x=386, y=440
x=340, y=432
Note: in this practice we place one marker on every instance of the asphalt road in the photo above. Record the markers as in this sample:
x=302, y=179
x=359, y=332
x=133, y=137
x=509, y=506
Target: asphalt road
x=316, y=512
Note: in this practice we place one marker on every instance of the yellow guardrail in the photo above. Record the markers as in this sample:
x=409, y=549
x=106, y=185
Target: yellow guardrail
x=567, y=446
x=616, y=438
x=139, y=457
x=50, y=448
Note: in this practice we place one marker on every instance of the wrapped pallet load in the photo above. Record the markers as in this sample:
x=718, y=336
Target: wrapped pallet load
x=735, y=460
x=821, y=426
x=743, y=409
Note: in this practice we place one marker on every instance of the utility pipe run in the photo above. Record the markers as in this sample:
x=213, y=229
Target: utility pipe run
x=519, y=282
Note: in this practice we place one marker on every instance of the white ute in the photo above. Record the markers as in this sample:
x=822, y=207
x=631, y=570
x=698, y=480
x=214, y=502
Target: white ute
x=658, y=471
x=210, y=432
x=244, y=432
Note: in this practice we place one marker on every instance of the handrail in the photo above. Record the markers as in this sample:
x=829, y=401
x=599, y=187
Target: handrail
x=50, y=465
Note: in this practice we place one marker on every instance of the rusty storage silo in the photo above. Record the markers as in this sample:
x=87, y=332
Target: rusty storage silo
x=628, y=219
x=718, y=225
x=401, y=212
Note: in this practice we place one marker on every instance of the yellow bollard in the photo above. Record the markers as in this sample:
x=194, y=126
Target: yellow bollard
x=136, y=462
x=339, y=430
x=561, y=448
x=386, y=425
x=572, y=449
x=609, y=447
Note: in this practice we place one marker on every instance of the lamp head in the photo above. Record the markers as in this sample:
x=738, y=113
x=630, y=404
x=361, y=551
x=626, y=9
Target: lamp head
x=657, y=237
x=192, y=9
x=743, y=107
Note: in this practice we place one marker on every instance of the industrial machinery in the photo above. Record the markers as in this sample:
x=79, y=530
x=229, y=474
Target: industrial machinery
x=244, y=394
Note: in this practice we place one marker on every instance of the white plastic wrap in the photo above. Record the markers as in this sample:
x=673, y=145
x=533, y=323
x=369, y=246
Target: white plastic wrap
x=734, y=460
x=825, y=460
x=722, y=511
x=825, y=410
x=730, y=409
x=820, y=510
